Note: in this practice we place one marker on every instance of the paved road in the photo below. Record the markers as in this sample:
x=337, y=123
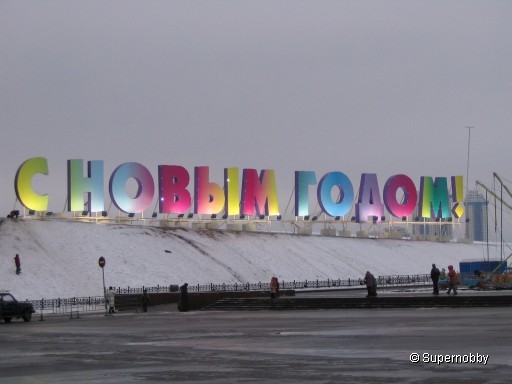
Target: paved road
x=318, y=346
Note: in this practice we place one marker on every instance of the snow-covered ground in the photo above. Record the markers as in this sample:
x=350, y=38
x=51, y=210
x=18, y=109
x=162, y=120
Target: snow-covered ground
x=60, y=257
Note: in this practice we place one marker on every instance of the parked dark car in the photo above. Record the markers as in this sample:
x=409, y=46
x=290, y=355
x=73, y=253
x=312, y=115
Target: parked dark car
x=10, y=307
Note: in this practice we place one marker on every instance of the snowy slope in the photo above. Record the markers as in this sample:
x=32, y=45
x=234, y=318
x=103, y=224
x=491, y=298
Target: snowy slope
x=60, y=257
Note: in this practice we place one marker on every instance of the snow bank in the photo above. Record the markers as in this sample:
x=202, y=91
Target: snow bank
x=59, y=258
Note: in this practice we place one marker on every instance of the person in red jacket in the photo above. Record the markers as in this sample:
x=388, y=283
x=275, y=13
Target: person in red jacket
x=17, y=262
x=453, y=280
x=274, y=287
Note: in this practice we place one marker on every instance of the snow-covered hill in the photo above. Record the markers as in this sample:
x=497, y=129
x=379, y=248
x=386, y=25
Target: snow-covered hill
x=60, y=257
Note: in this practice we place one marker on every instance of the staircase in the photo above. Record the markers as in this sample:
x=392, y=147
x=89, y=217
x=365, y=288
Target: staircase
x=295, y=303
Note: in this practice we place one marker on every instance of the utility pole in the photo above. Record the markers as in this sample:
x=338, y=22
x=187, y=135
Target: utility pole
x=467, y=169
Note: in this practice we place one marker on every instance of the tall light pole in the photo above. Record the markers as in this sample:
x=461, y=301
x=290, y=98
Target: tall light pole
x=467, y=169
x=469, y=144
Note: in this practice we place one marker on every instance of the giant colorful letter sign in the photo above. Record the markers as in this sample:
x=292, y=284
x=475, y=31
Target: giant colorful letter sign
x=23, y=184
x=259, y=194
x=208, y=197
x=172, y=184
x=145, y=187
x=369, y=203
x=303, y=179
x=434, y=202
x=344, y=201
x=457, y=196
x=410, y=198
x=92, y=185
x=231, y=190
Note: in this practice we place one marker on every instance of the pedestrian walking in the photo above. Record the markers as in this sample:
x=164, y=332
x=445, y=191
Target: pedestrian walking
x=183, y=298
x=371, y=284
x=110, y=296
x=453, y=280
x=434, y=275
x=17, y=262
x=145, y=300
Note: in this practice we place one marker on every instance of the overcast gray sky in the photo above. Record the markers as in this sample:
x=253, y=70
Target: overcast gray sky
x=384, y=87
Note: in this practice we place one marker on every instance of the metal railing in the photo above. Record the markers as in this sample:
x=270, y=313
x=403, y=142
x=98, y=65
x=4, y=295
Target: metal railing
x=97, y=303
x=404, y=280
x=394, y=280
x=70, y=305
x=140, y=290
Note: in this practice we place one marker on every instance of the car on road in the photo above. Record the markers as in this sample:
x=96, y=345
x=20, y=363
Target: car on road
x=10, y=307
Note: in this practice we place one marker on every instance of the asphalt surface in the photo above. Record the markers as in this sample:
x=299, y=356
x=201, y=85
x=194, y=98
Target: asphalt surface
x=315, y=346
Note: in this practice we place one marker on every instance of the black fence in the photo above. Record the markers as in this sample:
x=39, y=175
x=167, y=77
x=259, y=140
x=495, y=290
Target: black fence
x=404, y=280
x=72, y=306
x=97, y=303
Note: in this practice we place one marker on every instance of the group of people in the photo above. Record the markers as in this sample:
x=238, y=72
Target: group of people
x=183, y=303
x=110, y=301
x=453, y=279
x=369, y=280
x=435, y=275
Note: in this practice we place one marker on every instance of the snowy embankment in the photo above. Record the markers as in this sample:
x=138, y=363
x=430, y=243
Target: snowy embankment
x=59, y=258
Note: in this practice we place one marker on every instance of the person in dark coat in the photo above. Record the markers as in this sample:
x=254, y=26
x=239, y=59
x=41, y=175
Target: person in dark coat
x=434, y=275
x=183, y=298
x=371, y=284
x=17, y=262
x=145, y=300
